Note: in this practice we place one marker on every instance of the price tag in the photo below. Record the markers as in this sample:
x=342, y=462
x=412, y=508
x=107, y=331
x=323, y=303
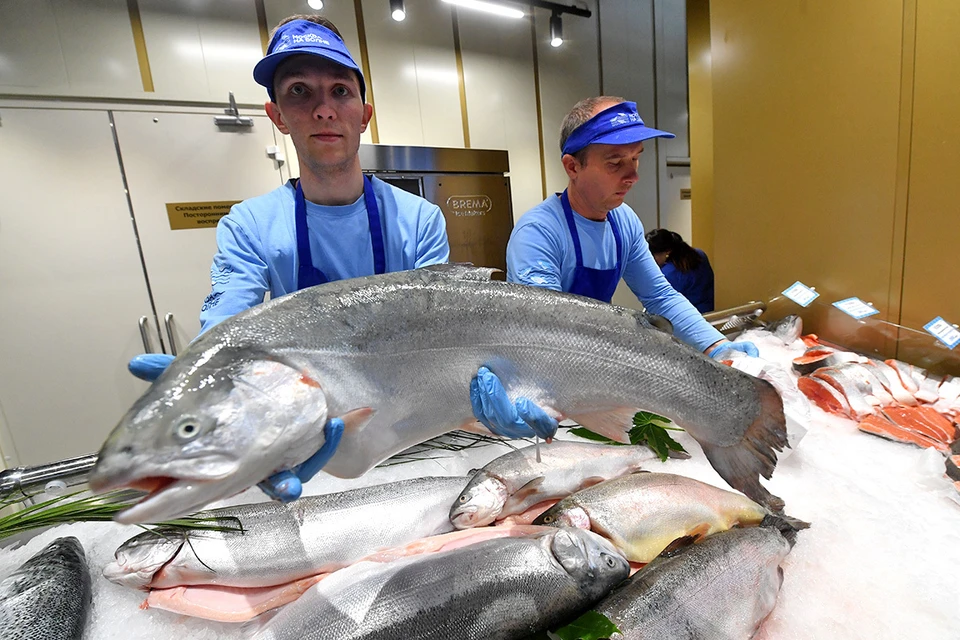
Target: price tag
x=943, y=331
x=855, y=308
x=801, y=293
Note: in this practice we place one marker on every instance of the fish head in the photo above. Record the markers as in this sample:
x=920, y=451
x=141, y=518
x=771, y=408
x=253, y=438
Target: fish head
x=563, y=514
x=209, y=427
x=592, y=561
x=480, y=502
x=139, y=559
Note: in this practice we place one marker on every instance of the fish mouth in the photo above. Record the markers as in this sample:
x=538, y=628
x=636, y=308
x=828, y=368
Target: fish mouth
x=166, y=499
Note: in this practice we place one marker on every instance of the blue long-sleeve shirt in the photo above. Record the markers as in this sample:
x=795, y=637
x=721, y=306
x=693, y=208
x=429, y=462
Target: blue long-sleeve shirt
x=541, y=253
x=695, y=285
x=257, y=245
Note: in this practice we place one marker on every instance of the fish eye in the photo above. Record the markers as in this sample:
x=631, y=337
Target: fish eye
x=611, y=562
x=463, y=499
x=188, y=430
x=547, y=519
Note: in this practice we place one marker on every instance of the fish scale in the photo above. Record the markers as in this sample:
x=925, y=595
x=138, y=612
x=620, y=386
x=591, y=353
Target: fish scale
x=407, y=345
x=281, y=543
x=495, y=590
x=49, y=596
x=719, y=589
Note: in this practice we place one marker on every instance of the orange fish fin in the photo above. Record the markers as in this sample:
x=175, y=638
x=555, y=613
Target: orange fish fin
x=355, y=420
x=613, y=423
x=522, y=494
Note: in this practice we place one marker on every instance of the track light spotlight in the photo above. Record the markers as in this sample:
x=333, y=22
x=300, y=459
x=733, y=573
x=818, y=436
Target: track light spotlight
x=397, y=10
x=316, y=5
x=556, y=30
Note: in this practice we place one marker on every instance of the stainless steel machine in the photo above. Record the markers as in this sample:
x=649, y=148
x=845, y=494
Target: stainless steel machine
x=469, y=185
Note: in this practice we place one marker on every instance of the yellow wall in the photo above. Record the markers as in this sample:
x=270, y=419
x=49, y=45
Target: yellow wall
x=835, y=156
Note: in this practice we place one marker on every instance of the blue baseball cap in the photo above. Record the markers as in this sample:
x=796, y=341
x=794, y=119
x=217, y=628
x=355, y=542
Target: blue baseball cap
x=299, y=37
x=620, y=124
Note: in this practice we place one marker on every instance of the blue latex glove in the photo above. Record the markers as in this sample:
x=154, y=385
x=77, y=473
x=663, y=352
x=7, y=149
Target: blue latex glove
x=284, y=486
x=492, y=407
x=744, y=347
x=287, y=486
x=149, y=366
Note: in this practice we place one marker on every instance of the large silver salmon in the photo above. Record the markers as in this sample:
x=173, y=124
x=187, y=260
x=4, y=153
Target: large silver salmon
x=720, y=589
x=394, y=355
x=281, y=543
x=500, y=589
x=48, y=597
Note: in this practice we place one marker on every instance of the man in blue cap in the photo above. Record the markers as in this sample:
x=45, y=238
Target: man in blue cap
x=586, y=239
x=331, y=224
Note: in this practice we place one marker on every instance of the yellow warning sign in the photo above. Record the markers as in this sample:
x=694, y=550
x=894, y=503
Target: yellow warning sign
x=197, y=215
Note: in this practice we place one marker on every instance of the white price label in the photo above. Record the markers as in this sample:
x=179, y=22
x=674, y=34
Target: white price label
x=855, y=308
x=801, y=293
x=943, y=331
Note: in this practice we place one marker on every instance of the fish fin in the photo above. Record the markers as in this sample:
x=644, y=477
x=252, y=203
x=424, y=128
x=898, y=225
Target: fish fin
x=462, y=271
x=522, y=494
x=357, y=418
x=785, y=525
x=661, y=323
x=613, y=424
x=677, y=546
x=475, y=426
x=742, y=464
x=591, y=481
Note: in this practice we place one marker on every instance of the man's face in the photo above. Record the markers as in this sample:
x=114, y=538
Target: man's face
x=318, y=103
x=608, y=173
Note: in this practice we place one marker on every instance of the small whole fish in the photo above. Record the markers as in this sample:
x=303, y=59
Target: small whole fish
x=644, y=513
x=393, y=356
x=516, y=481
x=49, y=596
x=501, y=589
x=720, y=589
x=281, y=543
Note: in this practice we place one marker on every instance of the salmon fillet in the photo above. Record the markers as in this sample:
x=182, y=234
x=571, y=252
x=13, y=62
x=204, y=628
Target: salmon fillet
x=825, y=396
x=880, y=426
x=923, y=420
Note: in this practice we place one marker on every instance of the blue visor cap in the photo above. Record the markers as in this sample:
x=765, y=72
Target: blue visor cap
x=620, y=124
x=299, y=37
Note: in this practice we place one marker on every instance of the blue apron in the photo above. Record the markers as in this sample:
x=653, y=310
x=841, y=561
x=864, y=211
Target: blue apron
x=307, y=274
x=598, y=284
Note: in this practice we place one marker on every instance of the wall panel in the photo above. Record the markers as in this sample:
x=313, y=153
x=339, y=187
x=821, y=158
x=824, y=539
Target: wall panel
x=414, y=74
x=498, y=75
x=931, y=275
x=806, y=100
x=202, y=51
x=58, y=46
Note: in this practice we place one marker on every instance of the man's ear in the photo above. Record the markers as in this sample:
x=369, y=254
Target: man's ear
x=273, y=112
x=571, y=165
x=367, y=114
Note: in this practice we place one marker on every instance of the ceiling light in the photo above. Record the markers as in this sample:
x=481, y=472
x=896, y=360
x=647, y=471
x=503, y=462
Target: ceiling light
x=316, y=5
x=488, y=7
x=397, y=10
x=556, y=30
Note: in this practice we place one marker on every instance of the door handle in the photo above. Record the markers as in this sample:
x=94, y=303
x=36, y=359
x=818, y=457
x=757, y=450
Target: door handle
x=168, y=323
x=145, y=334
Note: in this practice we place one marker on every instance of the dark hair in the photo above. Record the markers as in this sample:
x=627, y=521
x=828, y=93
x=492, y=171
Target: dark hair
x=682, y=256
x=320, y=20
x=581, y=112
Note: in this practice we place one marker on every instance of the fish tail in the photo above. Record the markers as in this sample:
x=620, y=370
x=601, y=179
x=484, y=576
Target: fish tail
x=787, y=526
x=742, y=464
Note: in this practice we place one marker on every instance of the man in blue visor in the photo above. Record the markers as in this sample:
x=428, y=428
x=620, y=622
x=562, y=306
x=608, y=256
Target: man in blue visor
x=331, y=224
x=586, y=239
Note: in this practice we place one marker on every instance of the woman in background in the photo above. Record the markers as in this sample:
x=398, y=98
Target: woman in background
x=686, y=268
